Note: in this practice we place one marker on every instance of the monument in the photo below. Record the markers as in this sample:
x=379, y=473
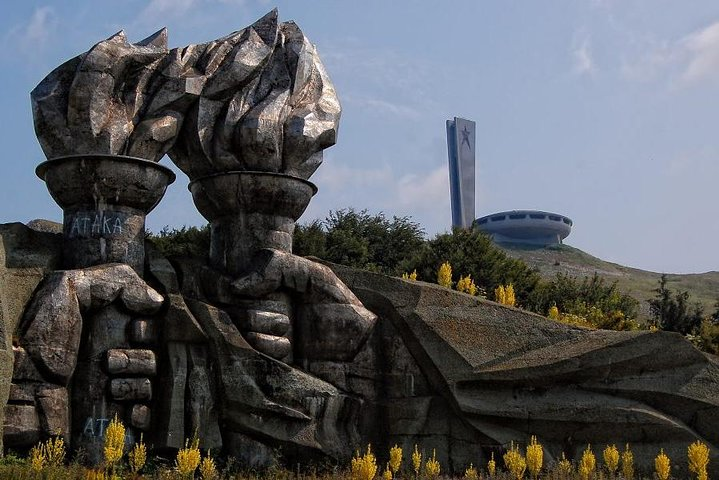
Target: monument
x=267, y=356
x=461, y=151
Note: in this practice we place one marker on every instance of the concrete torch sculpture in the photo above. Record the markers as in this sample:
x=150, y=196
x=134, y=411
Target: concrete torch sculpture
x=246, y=117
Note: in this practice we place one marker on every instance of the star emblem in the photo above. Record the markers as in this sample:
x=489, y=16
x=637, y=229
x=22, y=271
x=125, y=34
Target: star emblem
x=465, y=137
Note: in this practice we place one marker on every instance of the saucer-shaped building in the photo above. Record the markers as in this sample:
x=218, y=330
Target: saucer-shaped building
x=529, y=227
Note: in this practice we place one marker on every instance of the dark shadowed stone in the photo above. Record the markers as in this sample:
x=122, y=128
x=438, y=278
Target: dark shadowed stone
x=25, y=256
x=140, y=417
x=180, y=324
x=54, y=408
x=23, y=368
x=142, y=331
x=160, y=268
x=201, y=398
x=22, y=393
x=272, y=345
x=131, y=362
x=22, y=426
x=170, y=425
x=287, y=407
x=138, y=389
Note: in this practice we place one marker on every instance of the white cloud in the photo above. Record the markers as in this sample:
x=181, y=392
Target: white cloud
x=424, y=196
x=429, y=191
x=387, y=81
x=702, y=54
x=583, y=62
x=691, y=59
x=336, y=177
x=35, y=34
x=382, y=107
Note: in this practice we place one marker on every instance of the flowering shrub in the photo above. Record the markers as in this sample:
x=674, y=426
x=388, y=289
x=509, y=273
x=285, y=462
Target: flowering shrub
x=628, y=463
x=444, y=275
x=611, y=458
x=395, y=459
x=698, y=456
x=188, y=458
x=662, y=466
x=137, y=456
x=114, y=443
x=431, y=467
x=535, y=457
x=515, y=462
x=587, y=464
x=364, y=467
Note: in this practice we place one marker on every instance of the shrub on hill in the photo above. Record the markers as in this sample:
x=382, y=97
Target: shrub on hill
x=182, y=242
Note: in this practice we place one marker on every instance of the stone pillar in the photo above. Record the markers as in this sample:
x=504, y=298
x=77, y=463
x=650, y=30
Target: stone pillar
x=249, y=211
x=105, y=200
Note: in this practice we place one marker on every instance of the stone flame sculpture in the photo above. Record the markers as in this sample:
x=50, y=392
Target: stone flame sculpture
x=246, y=117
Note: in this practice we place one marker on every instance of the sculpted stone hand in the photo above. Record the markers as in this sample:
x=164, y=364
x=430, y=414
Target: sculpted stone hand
x=331, y=322
x=68, y=308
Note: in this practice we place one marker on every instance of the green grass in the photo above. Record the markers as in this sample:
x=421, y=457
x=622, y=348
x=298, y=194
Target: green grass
x=703, y=287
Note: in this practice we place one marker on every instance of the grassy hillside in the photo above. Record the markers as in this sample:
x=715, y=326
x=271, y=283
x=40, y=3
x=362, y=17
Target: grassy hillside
x=703, y=287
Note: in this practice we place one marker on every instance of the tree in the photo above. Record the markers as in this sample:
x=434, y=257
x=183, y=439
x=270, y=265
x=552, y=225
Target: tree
x=182, y=242
x=362, y=240
x=672, y=312
x=310, y=240
x=473, y=253
x=602, y=305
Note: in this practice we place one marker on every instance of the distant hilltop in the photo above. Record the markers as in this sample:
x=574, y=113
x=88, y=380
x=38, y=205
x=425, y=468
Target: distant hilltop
x=553, y=259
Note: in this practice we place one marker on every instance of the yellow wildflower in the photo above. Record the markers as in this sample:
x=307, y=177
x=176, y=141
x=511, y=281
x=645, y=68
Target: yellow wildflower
x=395, y=459
x=137, y=456
x=95, y=475
x=535, y=457
x=662, y=465
x=37, y=457
x=471, y=473
x=587, y=464
x=114, y=442
x=491, y=466
x=416, y=461
x=444, y=275
x=565, y=467
x=188, y=458
x=431, y=467
x=515, y=462
x=364, y=467
x=627, y=463
x=208, y=469
x=698, y=454
x=611, y=458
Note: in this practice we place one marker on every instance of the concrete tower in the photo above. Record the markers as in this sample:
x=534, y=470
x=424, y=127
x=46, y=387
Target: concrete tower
x=460, y=147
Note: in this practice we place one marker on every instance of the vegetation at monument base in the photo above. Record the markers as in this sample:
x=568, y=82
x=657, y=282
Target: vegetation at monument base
x=47, y=461
x=470, y=262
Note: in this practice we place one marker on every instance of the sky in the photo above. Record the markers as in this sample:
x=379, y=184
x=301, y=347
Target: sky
x=601, y=110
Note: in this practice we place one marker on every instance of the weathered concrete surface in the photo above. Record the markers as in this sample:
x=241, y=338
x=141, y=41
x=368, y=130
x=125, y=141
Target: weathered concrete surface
x=25, y=256
x=507, y=374
x=104, y=200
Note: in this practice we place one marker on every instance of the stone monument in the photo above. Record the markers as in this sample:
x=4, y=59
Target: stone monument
x=267, y=356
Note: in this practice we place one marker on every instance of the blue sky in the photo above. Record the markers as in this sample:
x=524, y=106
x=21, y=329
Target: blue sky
x=602, y=110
